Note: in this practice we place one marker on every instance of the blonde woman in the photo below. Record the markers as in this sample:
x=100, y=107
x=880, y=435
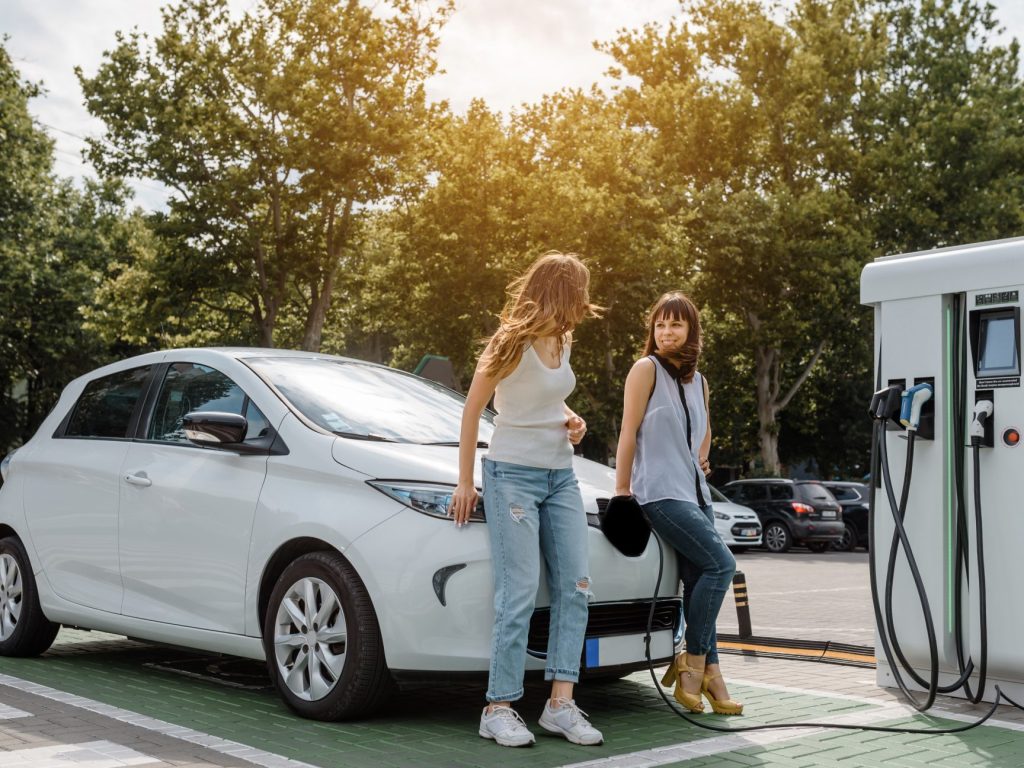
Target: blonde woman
x=531, y=496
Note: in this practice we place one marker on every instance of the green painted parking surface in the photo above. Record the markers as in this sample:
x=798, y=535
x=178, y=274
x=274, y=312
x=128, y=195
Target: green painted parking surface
x=991, y=747
x=430, y=726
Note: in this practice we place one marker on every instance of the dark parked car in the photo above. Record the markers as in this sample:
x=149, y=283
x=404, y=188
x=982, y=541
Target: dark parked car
x=853, y=497
x=791, y=511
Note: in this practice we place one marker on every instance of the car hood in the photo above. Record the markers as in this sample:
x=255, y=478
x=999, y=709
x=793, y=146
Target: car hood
x=737, y=511
x=440, y=464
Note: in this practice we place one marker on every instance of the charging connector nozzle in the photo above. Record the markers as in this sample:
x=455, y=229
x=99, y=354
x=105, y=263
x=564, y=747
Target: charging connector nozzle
x=982, y=412
x=912, y=401
x=885, y=403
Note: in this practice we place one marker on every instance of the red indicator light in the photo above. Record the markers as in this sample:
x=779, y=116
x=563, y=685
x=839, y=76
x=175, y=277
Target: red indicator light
x=1011, y=437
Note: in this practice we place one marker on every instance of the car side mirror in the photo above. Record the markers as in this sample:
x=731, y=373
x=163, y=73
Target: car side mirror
x=212, y=429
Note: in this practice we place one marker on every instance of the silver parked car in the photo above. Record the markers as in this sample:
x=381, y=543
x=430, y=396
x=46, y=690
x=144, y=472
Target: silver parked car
x=284, y=506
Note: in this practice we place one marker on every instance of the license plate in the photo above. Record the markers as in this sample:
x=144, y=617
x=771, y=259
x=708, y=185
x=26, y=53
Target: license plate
x=831, y=513
x=625, y=649
x=751, y=533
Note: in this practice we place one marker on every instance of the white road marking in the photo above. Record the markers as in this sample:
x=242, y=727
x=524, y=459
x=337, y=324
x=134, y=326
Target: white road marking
x=92, y=754
x=10, y=713
x=880, y=711
x=223, y=746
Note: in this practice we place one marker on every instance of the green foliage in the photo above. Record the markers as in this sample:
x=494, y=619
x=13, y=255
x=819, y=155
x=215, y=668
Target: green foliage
x=274, y=132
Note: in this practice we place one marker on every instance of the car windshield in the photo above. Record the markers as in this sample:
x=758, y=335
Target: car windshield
x=717, y=495
x=369, y=402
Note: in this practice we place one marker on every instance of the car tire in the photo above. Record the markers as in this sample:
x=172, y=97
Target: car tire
x=24, y=629
x=777, y=538
x=346, y=674
x=819, y=546
x=849, y=541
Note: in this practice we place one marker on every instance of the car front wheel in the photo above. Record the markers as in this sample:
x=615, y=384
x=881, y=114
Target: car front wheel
x=777, y=538
x=24, y=630
x=322, y=640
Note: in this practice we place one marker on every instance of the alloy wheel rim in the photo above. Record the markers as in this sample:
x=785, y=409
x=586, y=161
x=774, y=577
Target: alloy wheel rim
x=846, y=542
x=310, y=639
x=10, y=596
x=776, y=537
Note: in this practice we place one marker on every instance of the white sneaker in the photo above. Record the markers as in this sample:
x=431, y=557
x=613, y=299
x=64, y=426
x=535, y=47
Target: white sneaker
x=506, y=727
x=570, y=721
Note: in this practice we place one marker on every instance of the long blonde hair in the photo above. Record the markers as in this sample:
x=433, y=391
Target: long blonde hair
x=549, y=299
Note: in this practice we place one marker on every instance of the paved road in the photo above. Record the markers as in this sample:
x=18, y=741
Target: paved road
x=806, y=596
x=101, y=701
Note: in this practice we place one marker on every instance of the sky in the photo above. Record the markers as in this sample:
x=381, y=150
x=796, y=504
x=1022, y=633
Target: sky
x=507, y=52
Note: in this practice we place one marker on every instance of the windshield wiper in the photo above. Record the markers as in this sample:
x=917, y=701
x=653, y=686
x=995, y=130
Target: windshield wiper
x=364, y=436
x=455, y=443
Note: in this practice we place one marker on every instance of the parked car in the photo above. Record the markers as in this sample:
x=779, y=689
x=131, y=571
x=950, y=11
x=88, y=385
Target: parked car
x=284, y=506
x=791, y=511
x=853, y=497
x=737, y=525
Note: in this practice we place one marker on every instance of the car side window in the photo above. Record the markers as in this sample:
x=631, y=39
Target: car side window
x=750, y=493
x=106, y=405
x=189, y=387
x=781, y=492
x=844, y=494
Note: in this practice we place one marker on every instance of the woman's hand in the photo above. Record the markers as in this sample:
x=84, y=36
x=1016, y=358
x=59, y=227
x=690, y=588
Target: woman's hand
x=463, y=503
x=705, y=465
x=577, y=428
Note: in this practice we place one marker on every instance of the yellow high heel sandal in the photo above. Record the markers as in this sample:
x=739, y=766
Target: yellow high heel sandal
x=723, y=706
x=675, y=672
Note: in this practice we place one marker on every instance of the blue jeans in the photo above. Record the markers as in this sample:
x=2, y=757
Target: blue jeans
x=533, y=512
x=706, y=567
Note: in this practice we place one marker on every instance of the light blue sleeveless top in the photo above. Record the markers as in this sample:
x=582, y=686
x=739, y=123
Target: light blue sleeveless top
x=665, y=466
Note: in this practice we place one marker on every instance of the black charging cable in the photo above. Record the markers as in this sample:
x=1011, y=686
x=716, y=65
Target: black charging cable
x=779, y=726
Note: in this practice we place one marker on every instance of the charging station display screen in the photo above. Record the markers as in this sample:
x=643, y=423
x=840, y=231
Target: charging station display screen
x=998, y=347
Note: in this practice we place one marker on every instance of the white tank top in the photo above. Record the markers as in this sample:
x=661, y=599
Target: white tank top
x=665, y=465
x=530, y=426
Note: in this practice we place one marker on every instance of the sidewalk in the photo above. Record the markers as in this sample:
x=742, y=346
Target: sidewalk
x=96, y=701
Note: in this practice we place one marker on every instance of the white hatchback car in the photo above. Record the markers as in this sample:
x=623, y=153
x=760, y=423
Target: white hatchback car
x=738, y=526
x=284, y=506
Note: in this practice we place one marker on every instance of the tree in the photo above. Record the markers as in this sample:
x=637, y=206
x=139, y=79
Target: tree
x=55, y=241
x=274, y=133
x=942, y=134
x=752, y=120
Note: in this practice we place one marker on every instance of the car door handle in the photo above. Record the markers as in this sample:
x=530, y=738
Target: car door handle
x=138, y=479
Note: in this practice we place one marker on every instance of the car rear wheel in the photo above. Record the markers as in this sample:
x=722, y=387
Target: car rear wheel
x=24, y=630
x=849, y=541
x=322, y=640
x=777, y=538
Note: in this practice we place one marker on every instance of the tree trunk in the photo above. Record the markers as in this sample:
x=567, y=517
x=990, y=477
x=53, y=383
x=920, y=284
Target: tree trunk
x=768, y=433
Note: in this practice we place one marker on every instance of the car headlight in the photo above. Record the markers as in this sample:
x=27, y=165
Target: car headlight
x=721, y=515
x=6, y=464
x=429, y=498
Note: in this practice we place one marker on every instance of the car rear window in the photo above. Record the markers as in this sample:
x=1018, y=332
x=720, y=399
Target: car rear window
x=844, y=493
x=815, y=492
x=106, y=405
x=361, y=400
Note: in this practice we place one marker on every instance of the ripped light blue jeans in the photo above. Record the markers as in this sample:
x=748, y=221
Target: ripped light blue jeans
x=533, y=512
x=706, y=567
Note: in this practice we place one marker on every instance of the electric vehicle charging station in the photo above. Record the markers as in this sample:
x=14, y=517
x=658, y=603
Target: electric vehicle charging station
x=949, y=318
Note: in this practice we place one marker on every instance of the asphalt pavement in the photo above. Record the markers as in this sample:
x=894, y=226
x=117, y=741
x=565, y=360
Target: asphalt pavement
x=102, y=701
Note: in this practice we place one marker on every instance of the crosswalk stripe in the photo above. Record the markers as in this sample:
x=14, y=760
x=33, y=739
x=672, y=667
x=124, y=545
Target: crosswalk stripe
x=10, y=713
x=224, y=746
x=91, y=754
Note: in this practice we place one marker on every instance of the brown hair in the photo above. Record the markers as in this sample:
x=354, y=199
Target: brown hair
x=676, y=305
x=549, y=299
